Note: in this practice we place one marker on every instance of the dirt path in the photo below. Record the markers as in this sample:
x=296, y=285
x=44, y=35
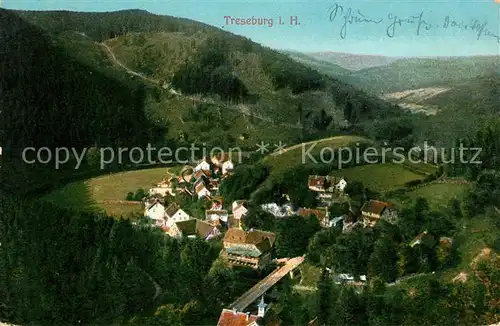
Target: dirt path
x=158, y=288
x=193, y=98
x=124, y=202
x=130, y=71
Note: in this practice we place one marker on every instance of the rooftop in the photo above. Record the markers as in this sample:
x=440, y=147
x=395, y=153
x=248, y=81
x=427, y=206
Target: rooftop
x=316, y=181
x=230, y=318
x=319, y=212
x=200, y=186
x=375, y=207
x=195, y=227
x=248, y=237
x=216, y=211
x=219, y=158
x=238, y=203
x=172, y=209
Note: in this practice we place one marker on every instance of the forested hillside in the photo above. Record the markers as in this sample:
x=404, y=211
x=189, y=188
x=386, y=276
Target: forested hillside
x=425, y=72
x=447, y=96
x=198, y=59
x=463, y=109
x=213, y=87
x=130, y=78
x=61, y=267
x=61, y=88
x=50, y=99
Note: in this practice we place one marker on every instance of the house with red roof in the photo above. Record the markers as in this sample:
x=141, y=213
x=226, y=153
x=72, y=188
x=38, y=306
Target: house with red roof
x=375, y=210
x=233, y=318
x=321, y=213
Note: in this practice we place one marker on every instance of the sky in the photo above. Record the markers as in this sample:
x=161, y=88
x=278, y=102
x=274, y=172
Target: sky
x=377, y=27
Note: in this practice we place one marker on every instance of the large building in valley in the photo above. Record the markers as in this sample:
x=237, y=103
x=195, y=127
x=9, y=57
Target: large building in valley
x=248, y=248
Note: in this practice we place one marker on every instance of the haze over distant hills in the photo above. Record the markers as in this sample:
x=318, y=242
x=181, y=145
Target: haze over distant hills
x=382, y=75
x=459, y=93
x=353, y=61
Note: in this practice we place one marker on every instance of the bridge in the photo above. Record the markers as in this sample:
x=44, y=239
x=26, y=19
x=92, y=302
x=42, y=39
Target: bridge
x=265, y=284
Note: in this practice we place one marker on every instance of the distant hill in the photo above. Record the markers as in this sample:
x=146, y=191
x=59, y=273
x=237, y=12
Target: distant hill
x=382, y=75
x=462, y=110
x=260, y=90
x=353, y=61
x=450, y=97
x=69, y=82
x=424, y=72
x=483, y=91
x=453, y=110
x=323, y=66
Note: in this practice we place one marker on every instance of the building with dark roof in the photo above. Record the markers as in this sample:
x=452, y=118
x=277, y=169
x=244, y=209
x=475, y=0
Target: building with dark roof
x=375, y=210
x=194, y=228
x=252, y=248
x=321, y=214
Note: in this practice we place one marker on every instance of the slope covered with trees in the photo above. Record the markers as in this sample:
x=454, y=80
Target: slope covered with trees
x=60, y=88
x=195, y=58
x=60, y=266
x=414, y=73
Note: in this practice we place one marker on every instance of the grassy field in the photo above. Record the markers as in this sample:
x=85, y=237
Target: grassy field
x=292, y=156
x=421, y=167
x=90, y=194
x=379, y=177
x=438, y=194
x=476, y=235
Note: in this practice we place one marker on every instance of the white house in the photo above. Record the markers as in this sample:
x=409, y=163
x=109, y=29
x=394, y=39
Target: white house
x=343, y=278
x=215, y=215
x=202, y=166
x=175, y=214
x=201, y=190
x=156, y=212
x=239, y=209
x=349, y=279
x=278, y=211
x=334, y=221
x=217, y=203
x=340, y=186
x=227, y=166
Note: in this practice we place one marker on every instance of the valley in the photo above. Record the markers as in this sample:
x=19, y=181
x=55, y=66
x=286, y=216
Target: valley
x=306, y=230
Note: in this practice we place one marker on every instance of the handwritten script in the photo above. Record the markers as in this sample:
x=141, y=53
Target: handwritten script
x=392, y=23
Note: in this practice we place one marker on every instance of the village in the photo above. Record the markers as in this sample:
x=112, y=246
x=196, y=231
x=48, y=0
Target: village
x=253, y=248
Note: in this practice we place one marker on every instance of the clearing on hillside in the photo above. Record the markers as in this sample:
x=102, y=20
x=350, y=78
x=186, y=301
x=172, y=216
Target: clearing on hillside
x=475, y=236
x=379, y=177
x=293, y=156
x=104, y=193
x=438, y=195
